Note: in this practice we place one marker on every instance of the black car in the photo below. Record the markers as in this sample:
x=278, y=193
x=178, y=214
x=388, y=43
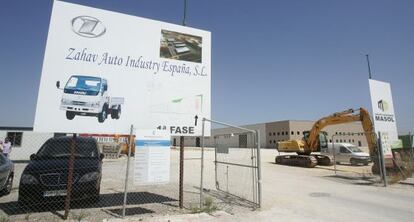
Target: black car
x=45, y=178
x=6, y=175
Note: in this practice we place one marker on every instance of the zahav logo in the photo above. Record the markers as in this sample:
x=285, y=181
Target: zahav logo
x=88, y=26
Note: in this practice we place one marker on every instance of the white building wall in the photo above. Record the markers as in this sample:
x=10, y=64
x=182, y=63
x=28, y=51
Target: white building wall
x=226, y=136
x=31, y=142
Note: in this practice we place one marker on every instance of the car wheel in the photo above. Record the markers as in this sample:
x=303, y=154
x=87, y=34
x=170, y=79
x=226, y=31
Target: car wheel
x=70, y=115
x=23, y=203
x=116, y=113
x=102, y=115
x=353, y=162
x=95, y=196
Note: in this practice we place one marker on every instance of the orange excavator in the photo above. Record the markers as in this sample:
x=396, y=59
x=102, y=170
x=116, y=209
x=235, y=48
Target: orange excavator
x=315, y=140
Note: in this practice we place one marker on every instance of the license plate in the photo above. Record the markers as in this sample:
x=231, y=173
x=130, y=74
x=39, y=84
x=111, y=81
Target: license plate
x=54, y=193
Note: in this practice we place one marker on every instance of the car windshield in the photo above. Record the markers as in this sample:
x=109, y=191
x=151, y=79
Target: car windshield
x=61, y=149
x=84, y=83
x=355, y=149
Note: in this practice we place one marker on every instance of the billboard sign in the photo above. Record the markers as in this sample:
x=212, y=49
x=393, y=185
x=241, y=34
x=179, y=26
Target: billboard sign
x=383, y=114
x=104, y=71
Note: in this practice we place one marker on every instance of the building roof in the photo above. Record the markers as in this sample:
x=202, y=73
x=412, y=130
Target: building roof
x=182, y=49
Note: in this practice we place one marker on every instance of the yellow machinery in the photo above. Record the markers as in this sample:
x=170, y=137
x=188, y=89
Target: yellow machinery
x=315, y=139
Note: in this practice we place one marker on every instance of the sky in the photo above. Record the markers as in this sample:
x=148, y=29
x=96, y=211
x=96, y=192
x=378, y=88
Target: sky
x=271, y=60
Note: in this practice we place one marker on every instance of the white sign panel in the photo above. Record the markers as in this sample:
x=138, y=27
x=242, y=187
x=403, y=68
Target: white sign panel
x=103, y=71
x=152, y=158
x=383, y=114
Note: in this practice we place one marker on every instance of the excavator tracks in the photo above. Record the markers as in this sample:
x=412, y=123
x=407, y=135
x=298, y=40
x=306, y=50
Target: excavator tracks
x=323, y=160
x=297, y=160
x=308, y=161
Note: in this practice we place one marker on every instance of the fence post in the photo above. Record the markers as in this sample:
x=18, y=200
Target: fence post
x=181, y=188
x=382, y=161
x=127, y=171
x=259, y=171
x=202, y=164
x=411, y=144
x=334, y=153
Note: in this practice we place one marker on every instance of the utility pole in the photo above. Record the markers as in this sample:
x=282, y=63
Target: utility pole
x=369, y=67
x=185, y=12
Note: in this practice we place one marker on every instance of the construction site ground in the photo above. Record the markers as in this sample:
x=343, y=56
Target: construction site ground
x=289, y=194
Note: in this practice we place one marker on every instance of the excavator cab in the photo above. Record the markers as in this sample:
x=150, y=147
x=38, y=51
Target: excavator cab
x=323, y=141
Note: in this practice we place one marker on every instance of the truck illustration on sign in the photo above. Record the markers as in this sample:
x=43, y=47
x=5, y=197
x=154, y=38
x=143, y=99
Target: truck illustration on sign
x=88, y=96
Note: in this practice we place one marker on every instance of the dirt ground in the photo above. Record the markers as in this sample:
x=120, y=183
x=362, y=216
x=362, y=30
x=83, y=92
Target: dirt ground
x=288, y=194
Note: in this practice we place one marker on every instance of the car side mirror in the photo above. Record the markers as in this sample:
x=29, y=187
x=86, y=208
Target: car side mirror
x=101, y=156
x=33, y=156
x=105, y=88
x=58, y=84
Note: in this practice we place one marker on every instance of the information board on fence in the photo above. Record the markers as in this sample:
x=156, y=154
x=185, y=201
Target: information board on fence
x=383, y=114
x=103, y=71
x=152, y=158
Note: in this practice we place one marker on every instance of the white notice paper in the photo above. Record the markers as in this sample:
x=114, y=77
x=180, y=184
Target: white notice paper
x=152, y=159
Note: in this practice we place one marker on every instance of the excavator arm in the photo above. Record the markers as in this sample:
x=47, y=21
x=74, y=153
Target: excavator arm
x=346, y=116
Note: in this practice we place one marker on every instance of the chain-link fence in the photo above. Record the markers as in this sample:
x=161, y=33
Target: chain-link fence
x=353, y=164
x=54, y=176
x=235, y=161
x=362, y=165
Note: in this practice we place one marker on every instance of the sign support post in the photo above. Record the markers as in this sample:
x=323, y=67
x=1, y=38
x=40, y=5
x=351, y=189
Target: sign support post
x=127, y=171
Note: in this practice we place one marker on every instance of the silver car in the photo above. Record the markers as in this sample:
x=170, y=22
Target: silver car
x=347, y=153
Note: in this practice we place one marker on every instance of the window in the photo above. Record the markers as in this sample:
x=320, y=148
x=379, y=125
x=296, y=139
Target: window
x=274, y=134
x=330, y=141
x=336, y=133
x=59, y=134
x=340, y=140
x=298, y=132
x=343, y=149
x=292, y=133
x=283, y=133
x=286, y=133
x=353, y=140
x=349, y=140
x=336, y=140
x=359, y=143
x=274, y=141
x=270, y=141
x=15, y=138
x=278, y=133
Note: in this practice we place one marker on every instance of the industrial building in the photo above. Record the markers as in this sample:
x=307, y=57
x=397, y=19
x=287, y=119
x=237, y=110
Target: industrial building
x=25, y=141
x=273, y=132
